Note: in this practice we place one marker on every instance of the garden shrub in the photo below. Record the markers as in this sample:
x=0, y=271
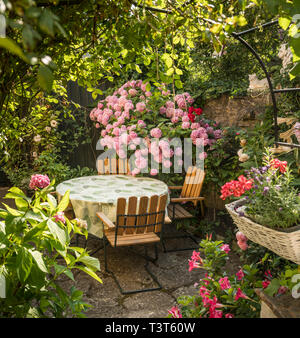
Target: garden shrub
x=36, y=250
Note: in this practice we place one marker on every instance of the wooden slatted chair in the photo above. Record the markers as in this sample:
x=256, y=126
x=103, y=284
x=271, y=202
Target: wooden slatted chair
x=135, y=227
x=190, y=192
x=113, y=166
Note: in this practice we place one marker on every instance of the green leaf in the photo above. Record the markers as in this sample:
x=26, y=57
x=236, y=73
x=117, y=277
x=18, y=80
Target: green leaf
x=295, y=71
x=57, y=231
x=284, y=22
x=91, y=262
x=273, y=287
x=13, y=48
x=38, y=257
x=178, y=84
x=52, y=201
x=138, y=69
x=46, y=22
x=89, y=272
x=45, y=78
x=12, y=211
x=21, y=204
x=63, y=204
x=23, y=263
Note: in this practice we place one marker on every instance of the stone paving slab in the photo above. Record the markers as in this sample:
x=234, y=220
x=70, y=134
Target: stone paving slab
x=171, y=270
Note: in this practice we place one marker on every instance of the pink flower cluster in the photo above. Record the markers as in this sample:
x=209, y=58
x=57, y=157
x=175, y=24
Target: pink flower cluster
x=125, y=125
x=39, y=181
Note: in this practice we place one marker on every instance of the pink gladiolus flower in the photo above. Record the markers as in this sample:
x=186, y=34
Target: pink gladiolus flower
x=265, y=283
x=225, y=247
x=193, y=265
x=196, y=256
x=224, y=283
x=39, y=181
x=240, y=274
x=239, y=294
x=60, y=217
x=229, y=315
x=148, y=94
x=215, y=313
x=175, y=312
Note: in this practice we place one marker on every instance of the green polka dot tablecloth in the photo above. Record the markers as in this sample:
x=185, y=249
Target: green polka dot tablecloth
x=91, y=194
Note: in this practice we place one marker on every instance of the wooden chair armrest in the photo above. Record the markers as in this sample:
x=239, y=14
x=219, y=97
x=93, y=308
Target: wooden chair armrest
x=173, y=187
x=105, y=220
x=186, y=199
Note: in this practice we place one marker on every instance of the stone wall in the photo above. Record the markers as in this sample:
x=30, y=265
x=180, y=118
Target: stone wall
x=240, y=111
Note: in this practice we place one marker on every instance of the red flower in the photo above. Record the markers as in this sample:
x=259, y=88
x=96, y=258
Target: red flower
x=191, y=109
x=239, y=294
x=275, y=164
x=265, y=283
x=198, y=111
x=236, y=188
x=191, y=117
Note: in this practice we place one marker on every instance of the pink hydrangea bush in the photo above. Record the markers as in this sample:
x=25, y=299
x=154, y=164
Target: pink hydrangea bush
x=136, y=120
x=219, y=295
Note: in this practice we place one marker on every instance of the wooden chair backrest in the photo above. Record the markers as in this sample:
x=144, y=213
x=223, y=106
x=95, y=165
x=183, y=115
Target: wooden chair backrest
x=148, y=217
x=113, y=166
x=193, y=182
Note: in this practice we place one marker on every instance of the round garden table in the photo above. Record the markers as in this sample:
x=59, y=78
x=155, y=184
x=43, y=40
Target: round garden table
x=91, y=194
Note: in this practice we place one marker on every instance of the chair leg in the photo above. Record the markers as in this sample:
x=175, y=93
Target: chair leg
x=185, y=235
x=154, y=278
x=202, y=208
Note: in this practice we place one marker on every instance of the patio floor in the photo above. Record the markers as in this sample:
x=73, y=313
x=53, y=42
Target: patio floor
x=171, y=270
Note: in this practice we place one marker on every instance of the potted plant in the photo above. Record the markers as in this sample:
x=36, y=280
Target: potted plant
x=269, y=213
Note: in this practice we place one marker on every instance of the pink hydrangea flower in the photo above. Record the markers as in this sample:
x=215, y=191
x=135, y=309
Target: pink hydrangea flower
x=156, y=133
x=153, y=172
x=141, y=123
x=167, y=164
x=132, y=92
x=140, y=106
x=185, y=125
x=39, y=181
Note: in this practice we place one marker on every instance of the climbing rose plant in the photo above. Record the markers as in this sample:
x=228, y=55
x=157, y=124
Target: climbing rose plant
x=135, y=113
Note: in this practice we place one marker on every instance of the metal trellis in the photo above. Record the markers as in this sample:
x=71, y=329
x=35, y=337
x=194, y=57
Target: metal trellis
x=272, y=90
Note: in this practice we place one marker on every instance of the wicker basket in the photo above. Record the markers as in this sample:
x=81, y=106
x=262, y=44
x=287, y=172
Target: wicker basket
x=284, y=243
